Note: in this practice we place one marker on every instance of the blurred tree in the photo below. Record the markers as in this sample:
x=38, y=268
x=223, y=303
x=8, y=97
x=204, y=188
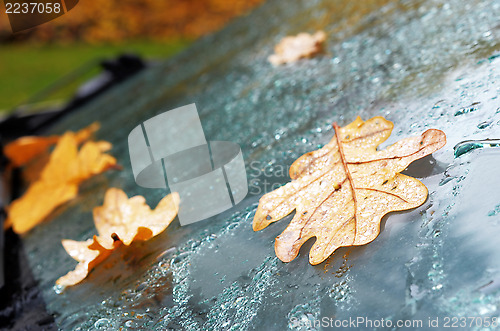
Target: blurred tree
x=118, y=20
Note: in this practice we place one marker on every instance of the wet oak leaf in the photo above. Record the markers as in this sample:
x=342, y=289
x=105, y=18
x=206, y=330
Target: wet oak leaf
x=59, y=180
x=341, y=192
x=23, y=150
x=119, y=220
x=88, y=253
x=293, y=48
x=132, y=219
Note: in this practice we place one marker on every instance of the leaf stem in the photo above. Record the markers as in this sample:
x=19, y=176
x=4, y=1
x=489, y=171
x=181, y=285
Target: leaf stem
x=349, y=177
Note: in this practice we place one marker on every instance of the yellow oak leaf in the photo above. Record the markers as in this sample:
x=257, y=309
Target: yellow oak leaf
x=23, y=150
x=293, y=48
x=132, y=219
x=341, y=192
x=88, y=253
x=59, y=180
x=118, y=220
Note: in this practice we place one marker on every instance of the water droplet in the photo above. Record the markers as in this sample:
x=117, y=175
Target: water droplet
x=178, y=259
x=437, y=104
x=101, y=324
x=483, y=125
x=487, y=309
x=495, y=211
x=468, y=109
x=469, y=145
x=58, y=289
x=445, y=180
x=437, y=287
x=141, y=287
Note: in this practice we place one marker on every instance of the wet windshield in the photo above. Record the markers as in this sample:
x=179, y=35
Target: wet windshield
x=421, y=64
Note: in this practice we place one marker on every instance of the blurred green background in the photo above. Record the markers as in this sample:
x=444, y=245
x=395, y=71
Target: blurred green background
x=27, y=69
x=32, y=60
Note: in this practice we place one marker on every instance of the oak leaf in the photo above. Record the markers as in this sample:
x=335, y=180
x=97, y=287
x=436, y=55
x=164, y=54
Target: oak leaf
x=294, y=48
x=341, y=191
x=88, y=253
x=23, y=150
x=118, y=220
x=59, y=180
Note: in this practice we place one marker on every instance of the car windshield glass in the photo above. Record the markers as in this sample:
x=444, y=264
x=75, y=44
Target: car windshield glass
x=421, y=64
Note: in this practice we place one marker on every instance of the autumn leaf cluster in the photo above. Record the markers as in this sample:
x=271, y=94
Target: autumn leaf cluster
x=339, y=193
x=118, y=221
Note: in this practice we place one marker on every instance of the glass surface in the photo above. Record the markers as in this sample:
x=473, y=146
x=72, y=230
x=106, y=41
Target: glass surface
x=420, y=64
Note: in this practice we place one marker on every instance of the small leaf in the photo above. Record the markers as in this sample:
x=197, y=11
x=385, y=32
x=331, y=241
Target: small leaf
x=341, y=191
x=88, y=253
x=293, y=48
x=118, y=220
x=132, y=219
